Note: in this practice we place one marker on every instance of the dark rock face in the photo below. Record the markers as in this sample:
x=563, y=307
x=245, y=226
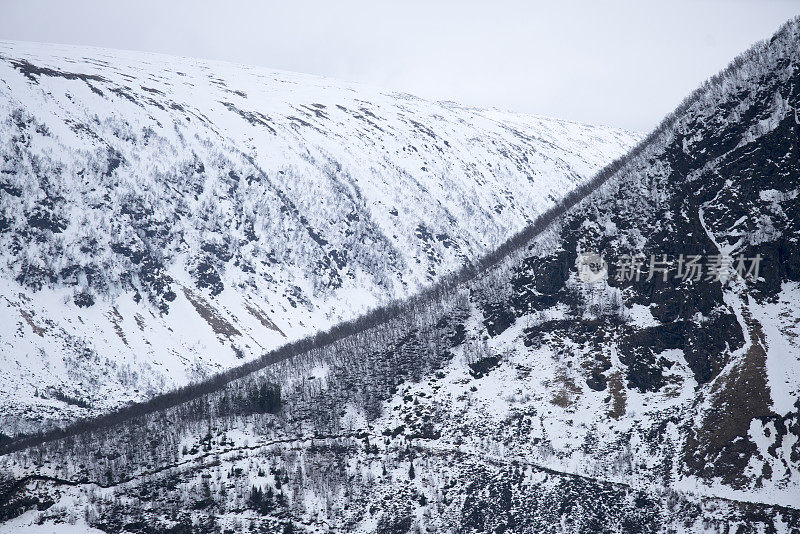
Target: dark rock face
x=483, y=366
x=502, y=501
x=725, y=181
x=536, y=284
x=549, y=274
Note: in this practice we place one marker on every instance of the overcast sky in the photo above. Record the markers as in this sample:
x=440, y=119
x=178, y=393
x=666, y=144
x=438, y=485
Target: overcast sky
x=623, y=63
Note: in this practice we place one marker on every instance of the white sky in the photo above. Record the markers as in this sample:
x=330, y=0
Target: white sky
x=623, y=63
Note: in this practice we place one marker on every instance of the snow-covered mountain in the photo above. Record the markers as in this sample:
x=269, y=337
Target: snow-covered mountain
x=166, y=218
x=529, y=395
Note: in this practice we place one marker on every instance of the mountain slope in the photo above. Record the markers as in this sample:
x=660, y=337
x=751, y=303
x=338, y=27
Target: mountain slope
x=164, y=218
x=531, y=397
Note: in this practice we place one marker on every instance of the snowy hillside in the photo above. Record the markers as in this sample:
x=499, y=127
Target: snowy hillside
x=165, y=218
x=528, y=398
